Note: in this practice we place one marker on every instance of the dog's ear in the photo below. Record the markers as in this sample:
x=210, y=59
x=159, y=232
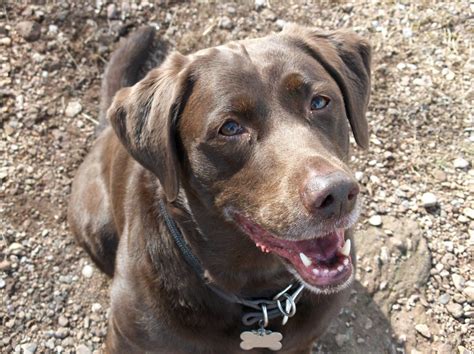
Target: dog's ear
x=346, y=57
x=145, y=116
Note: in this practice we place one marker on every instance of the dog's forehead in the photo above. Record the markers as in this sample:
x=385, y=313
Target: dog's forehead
x=256, y=65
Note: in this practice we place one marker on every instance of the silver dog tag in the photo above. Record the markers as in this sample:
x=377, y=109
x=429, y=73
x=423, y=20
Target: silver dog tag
x=261, y=338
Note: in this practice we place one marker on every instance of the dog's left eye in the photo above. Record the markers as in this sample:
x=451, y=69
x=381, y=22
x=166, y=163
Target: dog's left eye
x=231, y=128
x=319, y=102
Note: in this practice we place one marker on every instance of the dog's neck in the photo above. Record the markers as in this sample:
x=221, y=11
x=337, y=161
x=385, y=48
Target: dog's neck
x=229, y=258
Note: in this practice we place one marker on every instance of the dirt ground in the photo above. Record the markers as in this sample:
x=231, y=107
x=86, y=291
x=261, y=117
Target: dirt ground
x=415, y=286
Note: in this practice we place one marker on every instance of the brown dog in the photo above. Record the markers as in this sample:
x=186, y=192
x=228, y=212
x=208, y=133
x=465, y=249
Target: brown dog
x=209, y=156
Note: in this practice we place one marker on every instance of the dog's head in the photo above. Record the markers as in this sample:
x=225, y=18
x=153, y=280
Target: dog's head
x=258, y=132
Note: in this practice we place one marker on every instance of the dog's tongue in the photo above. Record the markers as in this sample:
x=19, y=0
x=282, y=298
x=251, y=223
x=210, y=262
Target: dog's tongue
x=321, y=249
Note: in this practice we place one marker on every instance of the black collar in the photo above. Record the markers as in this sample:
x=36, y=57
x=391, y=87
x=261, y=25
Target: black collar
x=259, y=311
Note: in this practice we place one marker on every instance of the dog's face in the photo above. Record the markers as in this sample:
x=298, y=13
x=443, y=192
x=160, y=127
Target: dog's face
x=258, y=131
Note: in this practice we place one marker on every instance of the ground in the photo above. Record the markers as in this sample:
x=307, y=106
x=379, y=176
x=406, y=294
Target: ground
x=415, y=284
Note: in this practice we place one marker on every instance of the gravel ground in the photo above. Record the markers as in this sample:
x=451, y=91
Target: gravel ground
x=415, y=287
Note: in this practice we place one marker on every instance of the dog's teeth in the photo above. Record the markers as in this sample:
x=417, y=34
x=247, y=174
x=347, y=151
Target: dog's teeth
x=306, y=261
x=326, y=271
x=316, y=271
x=340, y=268
x=346, y=262
x=346, y=249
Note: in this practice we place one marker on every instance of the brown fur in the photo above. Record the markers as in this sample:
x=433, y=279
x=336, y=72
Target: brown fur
x=163, y=143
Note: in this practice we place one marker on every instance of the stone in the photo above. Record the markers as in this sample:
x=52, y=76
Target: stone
x=29, y=348
x=469, y=212
x=455, y=310
x=259, y=4
x=63, y=321
x=83, y=349
x=226, y=23
x=341, y=339
x=423, y=330
x=458, y=282
x=61, y=333
x=444, y=299
x=2, y=283
x=359, y=175
x=461, y=163
x=375, y=220
x=96, y=307
x=73, y=109
x=29, y=30
x=469, y=292
x=87, y=271
x=112, y=13
x=429, y=200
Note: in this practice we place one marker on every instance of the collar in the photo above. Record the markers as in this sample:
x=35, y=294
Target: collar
x=257, y=310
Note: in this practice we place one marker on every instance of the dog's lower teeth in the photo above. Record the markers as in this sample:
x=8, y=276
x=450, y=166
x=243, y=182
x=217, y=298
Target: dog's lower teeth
x=340, y=268
x=316, y=271
x=346, y=262
x=326, y=271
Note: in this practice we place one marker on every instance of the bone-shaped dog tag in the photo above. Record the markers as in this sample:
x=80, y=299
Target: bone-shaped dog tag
x=261, y=339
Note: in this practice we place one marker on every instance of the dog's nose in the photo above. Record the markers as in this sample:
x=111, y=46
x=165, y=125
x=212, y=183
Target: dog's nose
x=331, y=195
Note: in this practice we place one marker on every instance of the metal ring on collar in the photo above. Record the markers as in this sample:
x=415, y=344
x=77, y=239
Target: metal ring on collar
x=265, y=316
x=291, y=301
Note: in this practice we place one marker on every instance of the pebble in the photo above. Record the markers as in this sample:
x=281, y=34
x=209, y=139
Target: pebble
x=280, y=23
x=29, y=348
x=73, y=109
x=469, y=212
x=469, y=292
x=375, y=220
x=444, y=299
x=341, y=339
x=455, y=310
x=429, y=200
x=226, y=23
x=63, y=321
x=112, y=12
x=87, y=271
x=359, y=175
x=5, y=41
x=83, y=349
x=458, y=282
x=423, y=330
x=259, y=4
x=96, y=307
x=2, y=283
x=461, y=163
x=29, y=30
x=61, y=333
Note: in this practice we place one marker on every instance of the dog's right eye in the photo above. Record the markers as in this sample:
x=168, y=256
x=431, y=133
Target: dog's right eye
x=231, y=128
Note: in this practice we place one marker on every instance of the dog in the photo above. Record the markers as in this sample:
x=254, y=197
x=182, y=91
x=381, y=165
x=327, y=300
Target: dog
x=218, y=195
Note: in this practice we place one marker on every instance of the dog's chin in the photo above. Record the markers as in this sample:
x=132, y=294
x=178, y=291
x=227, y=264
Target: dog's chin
x=321, y=290
x=323, y=263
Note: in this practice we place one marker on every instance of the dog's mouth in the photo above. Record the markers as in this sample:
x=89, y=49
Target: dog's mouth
x=324, y=262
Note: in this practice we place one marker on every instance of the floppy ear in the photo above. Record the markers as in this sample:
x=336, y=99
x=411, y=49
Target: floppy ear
x=144, y=118
x=346, y=57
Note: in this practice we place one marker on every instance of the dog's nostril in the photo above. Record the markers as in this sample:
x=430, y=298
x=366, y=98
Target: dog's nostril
x=327, y=201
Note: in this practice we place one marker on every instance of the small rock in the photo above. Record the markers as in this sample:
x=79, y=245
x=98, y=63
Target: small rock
x=112, y=12
x=461, y=163
x=226, y=23
x=341, y=339
x=96, y=307
x=5, y=41
x=61, y=333
x=375, y=220
x=429, y=200
x=423, y=330
x=73, y=109
x=455, y=310
x=63, y=321
x=29, y=348
x=15, y=247
x=469, y=212
x=82, y=349
x=444, y=299
x=280, y=23
x=359, y=175
x=259, y=4
x=29, y=30
x=458, y=282
x=87, y=271
x=469, y=292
